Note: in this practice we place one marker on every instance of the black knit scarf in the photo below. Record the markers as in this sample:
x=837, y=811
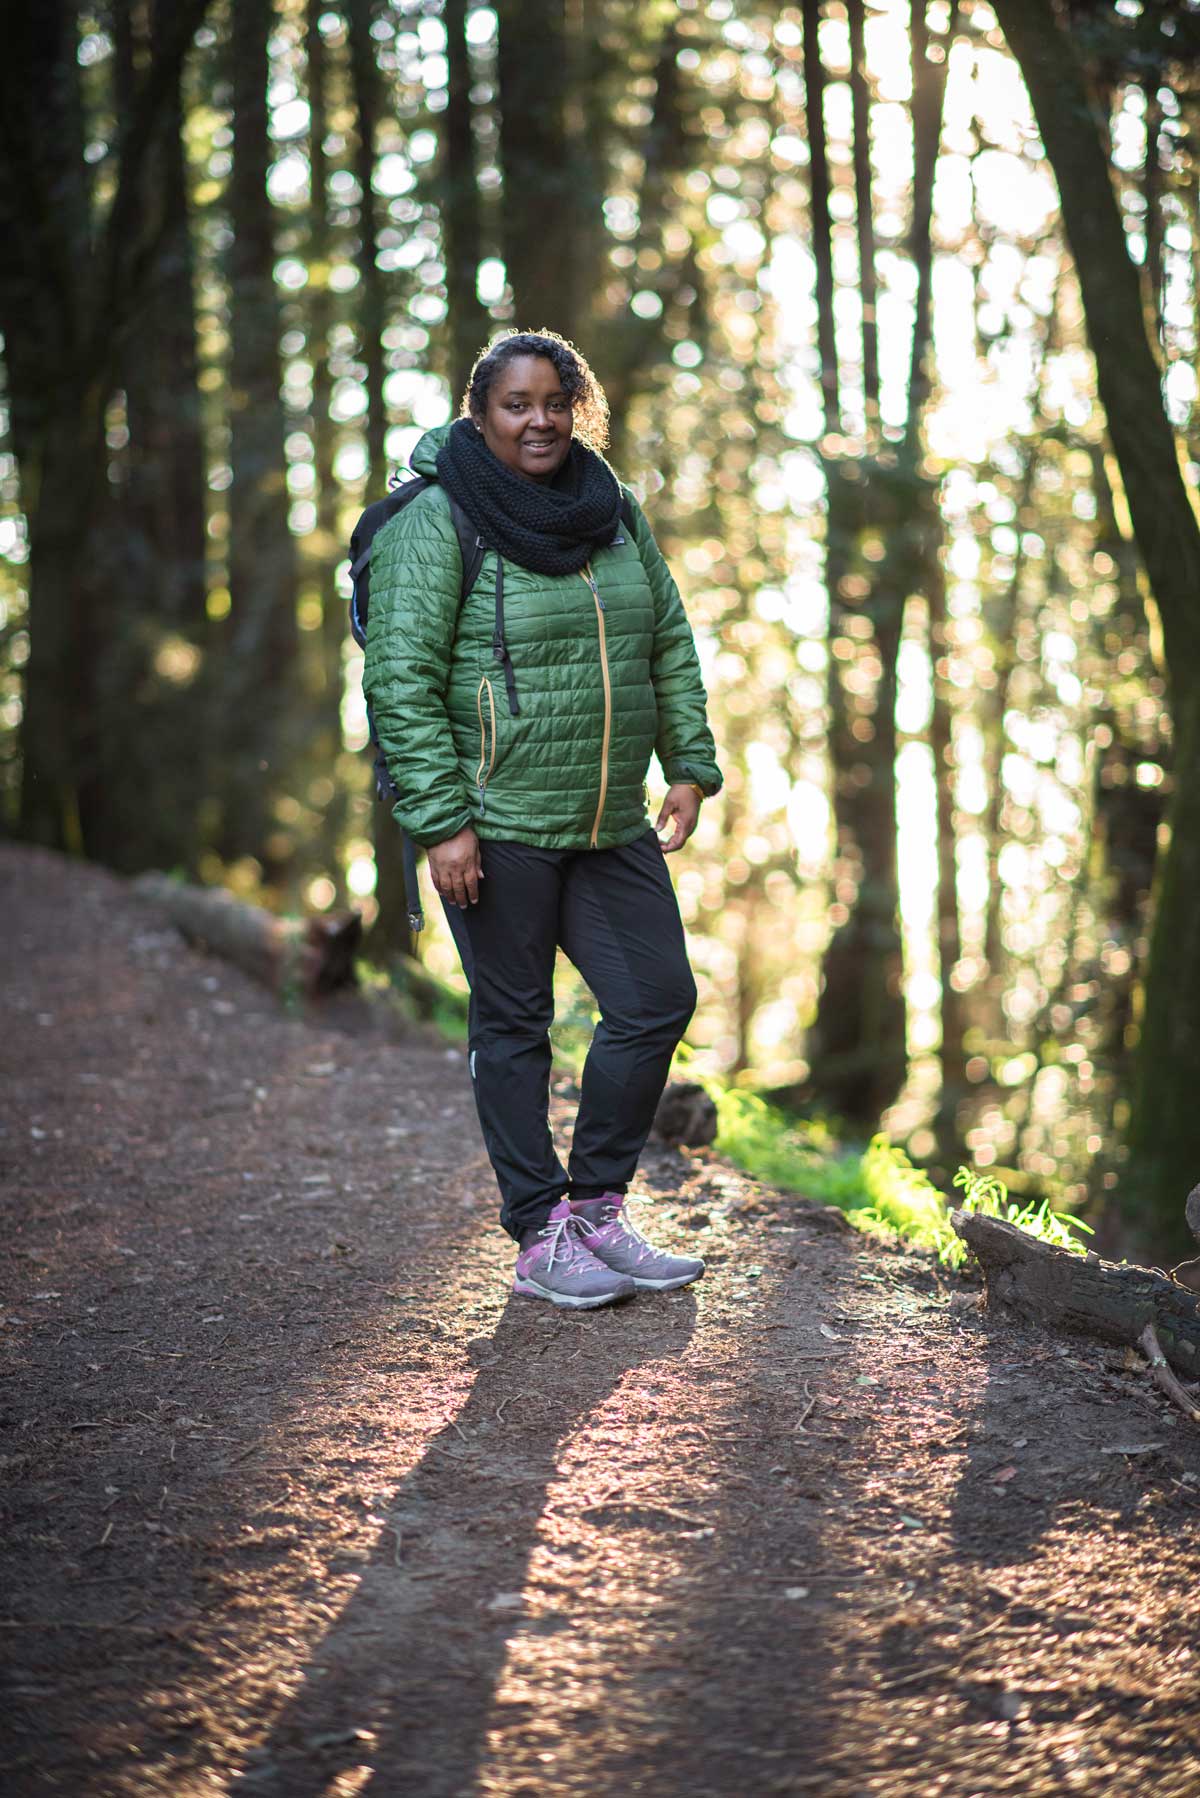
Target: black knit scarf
x=551, y=527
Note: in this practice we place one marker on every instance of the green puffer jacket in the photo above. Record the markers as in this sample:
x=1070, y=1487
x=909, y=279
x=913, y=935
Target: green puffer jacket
x=601, y=684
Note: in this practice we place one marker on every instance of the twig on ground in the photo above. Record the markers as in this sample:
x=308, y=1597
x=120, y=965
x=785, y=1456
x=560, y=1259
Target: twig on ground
x=889, y=1685
x=642, y=1504
x=1161, y=1373
x=807, y=1411
x=506, y=1401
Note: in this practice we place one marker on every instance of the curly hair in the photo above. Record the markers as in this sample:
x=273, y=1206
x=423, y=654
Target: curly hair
x=589, y=406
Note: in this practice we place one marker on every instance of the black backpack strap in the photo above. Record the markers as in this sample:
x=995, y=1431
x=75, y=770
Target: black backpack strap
x=412, y=886
x=471, y=548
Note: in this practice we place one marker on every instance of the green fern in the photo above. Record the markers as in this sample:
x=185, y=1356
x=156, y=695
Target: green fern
x=988, y=1197
x=878, y=1187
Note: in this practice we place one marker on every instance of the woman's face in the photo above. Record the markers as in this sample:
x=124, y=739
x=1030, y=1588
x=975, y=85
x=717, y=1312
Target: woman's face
x=527, y=425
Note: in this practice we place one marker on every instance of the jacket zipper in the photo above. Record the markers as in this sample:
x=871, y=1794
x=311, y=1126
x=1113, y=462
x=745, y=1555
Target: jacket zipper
x=482, y=774
x=589, y=577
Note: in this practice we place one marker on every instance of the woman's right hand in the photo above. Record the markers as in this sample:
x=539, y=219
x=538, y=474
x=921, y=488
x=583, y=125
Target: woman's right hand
x=456, y=867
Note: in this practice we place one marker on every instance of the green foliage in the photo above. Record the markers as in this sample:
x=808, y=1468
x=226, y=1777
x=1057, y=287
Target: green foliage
x=989, y=1197
x=418, y=996
x=903, y=1200
x=803, y=1157
x=878, y=1187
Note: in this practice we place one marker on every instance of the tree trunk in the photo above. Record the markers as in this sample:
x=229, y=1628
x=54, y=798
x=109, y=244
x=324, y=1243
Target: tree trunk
x=1164, y=1134
x=861, y=102
x=1164, y=1130
x=329, y=548
x=929, y=93
x=461, y=217
x=70, y=288
x=259, y=729
x=57, y=411
x=1001, y=615
x=859, y=1056
x=537, y=231
x=1152, y=193
x=372, y=283
x=822, y=222
x=952, y=1053
x=147, y=557
x=390, y=935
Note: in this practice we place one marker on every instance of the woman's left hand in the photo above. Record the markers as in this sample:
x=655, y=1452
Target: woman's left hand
x=681, y=809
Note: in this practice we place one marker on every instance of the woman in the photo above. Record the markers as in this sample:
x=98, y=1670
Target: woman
x=518, y=726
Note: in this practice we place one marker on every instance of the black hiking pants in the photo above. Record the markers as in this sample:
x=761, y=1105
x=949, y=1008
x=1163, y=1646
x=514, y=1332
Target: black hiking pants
x=613, y=911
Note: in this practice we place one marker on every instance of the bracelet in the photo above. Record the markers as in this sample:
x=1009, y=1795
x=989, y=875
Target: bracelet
x=699, y=790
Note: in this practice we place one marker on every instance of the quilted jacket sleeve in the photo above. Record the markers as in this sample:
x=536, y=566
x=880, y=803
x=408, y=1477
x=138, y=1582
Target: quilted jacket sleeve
x=685, y=743
x=416, y=574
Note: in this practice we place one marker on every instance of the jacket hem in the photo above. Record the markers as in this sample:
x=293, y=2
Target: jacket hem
x=499, y=832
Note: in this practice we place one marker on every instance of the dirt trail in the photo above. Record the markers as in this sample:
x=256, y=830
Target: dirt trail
x=299, y=1503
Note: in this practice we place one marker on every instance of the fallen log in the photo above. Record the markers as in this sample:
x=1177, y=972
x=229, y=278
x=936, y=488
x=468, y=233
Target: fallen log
x=315, y=955
x=1109, y=1299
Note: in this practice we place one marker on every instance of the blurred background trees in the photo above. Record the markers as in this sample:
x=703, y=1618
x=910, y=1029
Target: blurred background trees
x=896, y=305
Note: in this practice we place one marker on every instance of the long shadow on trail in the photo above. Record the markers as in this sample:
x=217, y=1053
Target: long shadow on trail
x=1041, y=1447
x=404, y=1680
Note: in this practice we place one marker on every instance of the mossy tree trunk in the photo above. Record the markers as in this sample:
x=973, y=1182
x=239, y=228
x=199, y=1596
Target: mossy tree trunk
x=1164, y=1133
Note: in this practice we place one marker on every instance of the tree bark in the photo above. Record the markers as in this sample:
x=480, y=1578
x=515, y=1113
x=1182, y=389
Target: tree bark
x=861, y=101
x=929, y=93
x=537, y=222
x=822, y=222
x=1164, y=1135
x=1082, y=1293
x=952, y=1054
x=372, y=283
x=859, y=1055
x=390, y=935
x=1127, y=373
x=320, y=317
x=461, y=214
x=71, y=289
x=147, y=557
x=258, y=723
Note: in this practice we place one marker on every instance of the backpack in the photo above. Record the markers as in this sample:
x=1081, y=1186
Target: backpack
x=472, y=549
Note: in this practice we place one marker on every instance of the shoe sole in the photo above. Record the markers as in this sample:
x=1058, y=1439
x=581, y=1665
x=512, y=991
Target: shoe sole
x=668, y=1285
x=567, y=1301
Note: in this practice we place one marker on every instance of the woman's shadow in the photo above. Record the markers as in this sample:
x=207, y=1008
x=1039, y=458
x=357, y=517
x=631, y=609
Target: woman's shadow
x=401, y=1687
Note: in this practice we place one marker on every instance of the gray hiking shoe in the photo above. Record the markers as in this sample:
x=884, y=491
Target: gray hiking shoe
x=613, y=1239
x=557, y=1266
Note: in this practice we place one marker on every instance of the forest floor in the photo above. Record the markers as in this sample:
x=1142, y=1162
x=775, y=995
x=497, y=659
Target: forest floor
x=301, y=1503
